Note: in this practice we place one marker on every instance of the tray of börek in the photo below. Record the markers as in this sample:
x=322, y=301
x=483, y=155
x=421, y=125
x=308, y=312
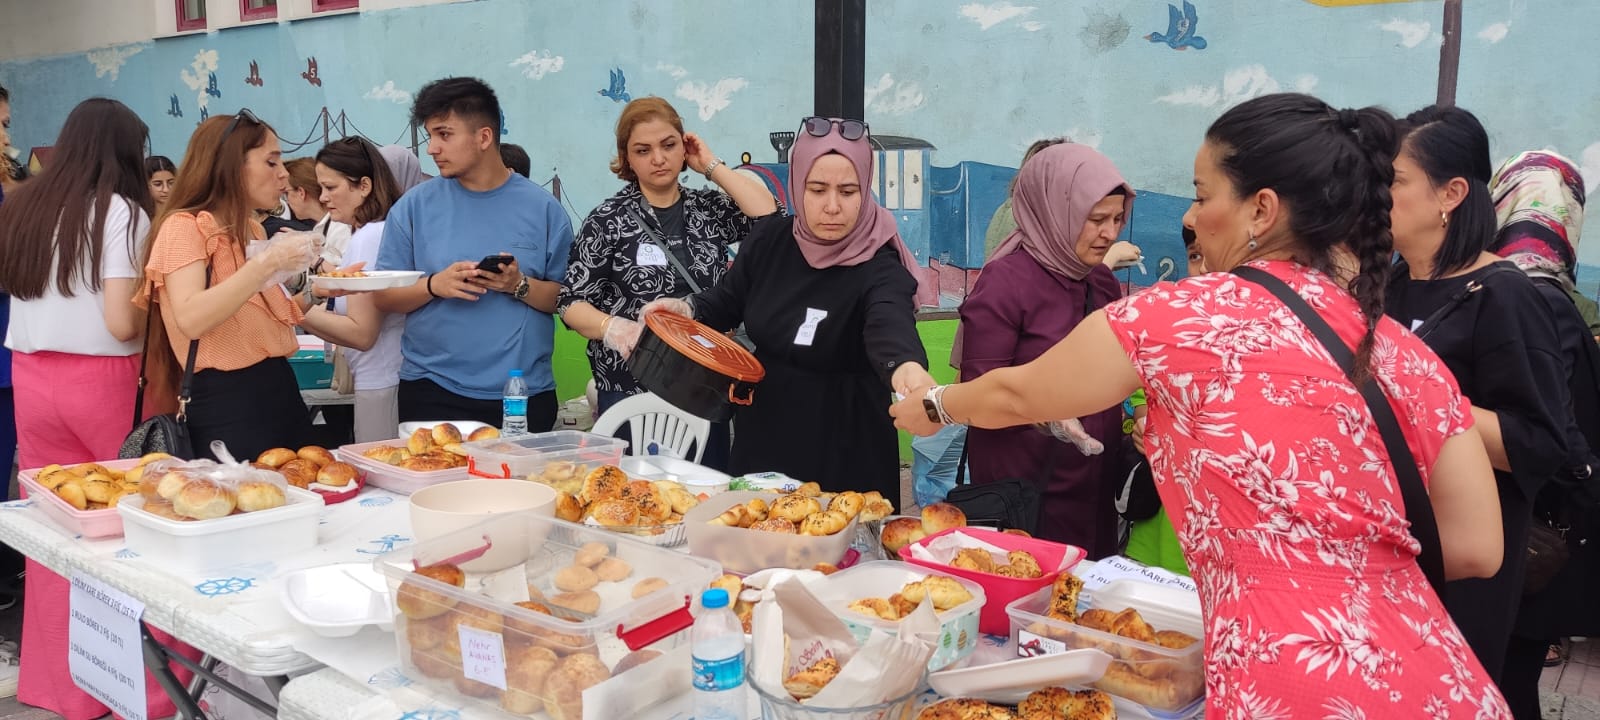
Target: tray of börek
x=750, y=531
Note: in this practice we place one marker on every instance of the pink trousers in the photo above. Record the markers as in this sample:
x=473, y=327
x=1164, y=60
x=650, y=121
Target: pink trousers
x=70, y=409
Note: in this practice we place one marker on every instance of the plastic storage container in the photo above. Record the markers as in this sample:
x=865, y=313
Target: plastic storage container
x=744, y=551
x=526, y=456
x=391, y=477
x=311, y=370
x=958, y=626
x=694, y=477
x=1002, y=590
x=243, y=539
x=641, y=643
x=1162, y=680
x=88, y=523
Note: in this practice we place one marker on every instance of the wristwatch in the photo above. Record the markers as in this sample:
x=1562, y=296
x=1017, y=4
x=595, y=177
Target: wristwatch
x=931, y=404
x=522, y=288
x=712, y=167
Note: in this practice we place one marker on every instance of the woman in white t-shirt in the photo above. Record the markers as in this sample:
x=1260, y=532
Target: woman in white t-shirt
x=358, y=190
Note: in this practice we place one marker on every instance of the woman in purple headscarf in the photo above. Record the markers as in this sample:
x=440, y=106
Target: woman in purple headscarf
x=1070, y=203
x=829, y=298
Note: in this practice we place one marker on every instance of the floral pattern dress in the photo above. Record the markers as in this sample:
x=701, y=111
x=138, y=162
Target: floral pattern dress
x=1283, y=495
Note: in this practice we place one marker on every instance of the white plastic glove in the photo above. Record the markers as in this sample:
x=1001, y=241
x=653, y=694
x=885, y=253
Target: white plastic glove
x=676, y=306
x=287, y=254
x=1123, y=254
x=622, y=335
x=1071, y=431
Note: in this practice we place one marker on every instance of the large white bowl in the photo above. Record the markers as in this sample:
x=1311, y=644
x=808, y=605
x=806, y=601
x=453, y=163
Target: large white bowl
x=447, y=507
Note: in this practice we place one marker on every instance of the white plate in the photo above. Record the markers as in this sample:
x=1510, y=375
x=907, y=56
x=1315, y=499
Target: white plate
x=1008, y=683
x=465, y=426
x=337, y=600
x=374, y=280
x=656, y=467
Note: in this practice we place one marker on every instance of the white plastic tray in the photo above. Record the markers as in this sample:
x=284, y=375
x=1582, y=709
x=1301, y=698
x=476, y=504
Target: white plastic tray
x=1008, y=683
x=243, y=539
x=374, y=280
x=337, y=600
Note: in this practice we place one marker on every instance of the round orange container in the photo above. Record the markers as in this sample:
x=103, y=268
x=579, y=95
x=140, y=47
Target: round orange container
x=694, y=367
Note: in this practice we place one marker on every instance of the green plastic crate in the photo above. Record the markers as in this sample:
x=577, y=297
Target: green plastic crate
x=311, y=370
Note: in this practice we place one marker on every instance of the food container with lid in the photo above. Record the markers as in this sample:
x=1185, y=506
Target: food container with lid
x=530, y=456
x=393, y=477
x=106, y=522
x=197, y=546
x=474, y=641
x=744, y=551
x=1162, y=680
x=958, y=626
x=693, y=477
x=694, y=367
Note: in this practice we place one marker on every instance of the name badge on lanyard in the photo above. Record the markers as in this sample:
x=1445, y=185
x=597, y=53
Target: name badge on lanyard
x=650, y=255
x=808, y=329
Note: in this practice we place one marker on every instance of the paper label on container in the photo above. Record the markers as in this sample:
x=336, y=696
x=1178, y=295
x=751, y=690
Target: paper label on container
x=807, y=333
x=1033, y=645
x=707, y=344
x=1117, y=567
x=483, y=656
x=105, y=656
x=650, y=255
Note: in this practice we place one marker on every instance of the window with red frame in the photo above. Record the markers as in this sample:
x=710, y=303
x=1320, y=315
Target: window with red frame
x=258, y=9
x=191, y=15
x=326, y=5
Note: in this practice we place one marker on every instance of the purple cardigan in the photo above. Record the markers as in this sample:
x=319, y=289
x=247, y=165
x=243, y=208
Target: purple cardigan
x=1016, y=311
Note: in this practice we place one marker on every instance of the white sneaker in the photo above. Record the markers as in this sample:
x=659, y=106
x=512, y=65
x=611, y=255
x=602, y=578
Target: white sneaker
x=10, y=665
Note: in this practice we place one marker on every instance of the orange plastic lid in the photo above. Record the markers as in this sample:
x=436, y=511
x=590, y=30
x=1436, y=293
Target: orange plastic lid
x=706, y=347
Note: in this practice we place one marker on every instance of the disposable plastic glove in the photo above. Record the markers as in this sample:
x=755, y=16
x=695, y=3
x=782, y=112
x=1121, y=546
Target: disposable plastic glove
x=622, y=335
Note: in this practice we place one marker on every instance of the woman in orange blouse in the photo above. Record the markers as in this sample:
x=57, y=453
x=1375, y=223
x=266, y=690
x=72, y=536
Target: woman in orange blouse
x=244, y=391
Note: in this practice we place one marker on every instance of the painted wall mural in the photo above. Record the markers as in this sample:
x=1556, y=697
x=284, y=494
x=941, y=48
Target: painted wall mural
x=955, y=90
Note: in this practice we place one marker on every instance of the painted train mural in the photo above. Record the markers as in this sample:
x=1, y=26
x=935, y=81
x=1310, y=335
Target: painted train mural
x=944, y=212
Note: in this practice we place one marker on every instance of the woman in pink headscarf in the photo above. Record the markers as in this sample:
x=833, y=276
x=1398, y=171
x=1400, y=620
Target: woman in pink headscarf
x=1045, y=278
x=829, y=298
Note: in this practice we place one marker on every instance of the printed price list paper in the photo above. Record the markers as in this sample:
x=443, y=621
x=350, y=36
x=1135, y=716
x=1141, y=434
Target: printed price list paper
x=105, y=656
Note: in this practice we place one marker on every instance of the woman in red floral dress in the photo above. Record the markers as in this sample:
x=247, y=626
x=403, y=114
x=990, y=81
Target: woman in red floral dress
x=1265, y=454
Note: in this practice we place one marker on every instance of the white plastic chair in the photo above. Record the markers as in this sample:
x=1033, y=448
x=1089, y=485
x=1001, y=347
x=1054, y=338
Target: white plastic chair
x=653, y=420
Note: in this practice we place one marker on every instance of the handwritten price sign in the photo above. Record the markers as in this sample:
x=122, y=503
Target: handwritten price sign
x=483, y=656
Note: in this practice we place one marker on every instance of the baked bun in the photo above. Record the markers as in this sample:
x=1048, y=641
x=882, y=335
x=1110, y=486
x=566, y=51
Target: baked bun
x=526, y=672
x=946, y=592
x=316, y=455
x=586, y=602
x=152, y=457
x=1024, y=563
x=276, y=457
x=591, y=553
x=613, y=570
x=646, y=586
x=776, y=525
x=204, y=500
x=387, y=454
x=483, y=433
x=654, y=508
x=615, y=513
x=418, y=603
x=299, y=473
x=163, y=509
x=809, y=489
x=568, y=508
x=563, y=690
x=969, y=709
x=1016, y=531
x=939, y=517
x=574, y=578
x=515, y=625
x=810, y=681
x=757, y=508
x=170, y=482
x=900, y=532
x=736, y=516
x=425, y=634
x=794, y=508
x=603, y=483
x=876, y=508
x=420, y=442
x=445, y=434
x=473, y=688
x=848, y=502
x=974, y=559
x=256, y=495
x=425, y=463
x=430, y=664
x=827, y=522
x=337, y=474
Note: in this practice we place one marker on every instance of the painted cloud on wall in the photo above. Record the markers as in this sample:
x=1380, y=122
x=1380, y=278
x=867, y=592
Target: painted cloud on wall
x=889, y=97
x=676, y=71
x=1238, y=85
x=992, y=14
x=1495, y=32
x=387, y=91
x=712, y=98
x=204, y=64
x=1411, y=33
x=109, y=61
x=1589, y=165
x=536, y=64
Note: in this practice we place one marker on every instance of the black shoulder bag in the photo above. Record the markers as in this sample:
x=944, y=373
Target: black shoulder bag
x=1012, y=503
x=167, y=433
x=1419, y=510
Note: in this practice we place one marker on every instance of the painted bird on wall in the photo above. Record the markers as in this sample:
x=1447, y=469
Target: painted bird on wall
x=175, y=110
x=618, y=91
x=255, y=75
x=211, y=86
x=1180, y=29
x=310, y=73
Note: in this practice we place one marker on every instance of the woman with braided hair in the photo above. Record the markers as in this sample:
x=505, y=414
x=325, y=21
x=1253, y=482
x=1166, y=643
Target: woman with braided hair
x=1274, y=471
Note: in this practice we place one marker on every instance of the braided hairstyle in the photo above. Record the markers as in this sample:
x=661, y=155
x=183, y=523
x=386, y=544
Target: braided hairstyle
x=1331, y=170
x=1449, y=143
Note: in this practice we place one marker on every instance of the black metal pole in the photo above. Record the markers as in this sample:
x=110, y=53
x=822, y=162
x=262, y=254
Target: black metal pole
x=1450, y=53
x=841, y=58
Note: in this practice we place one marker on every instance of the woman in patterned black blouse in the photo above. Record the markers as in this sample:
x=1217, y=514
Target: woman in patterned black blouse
x=655, y=238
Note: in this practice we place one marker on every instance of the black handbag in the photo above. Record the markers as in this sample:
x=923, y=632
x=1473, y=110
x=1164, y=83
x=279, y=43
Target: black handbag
x=1012, y=503
x=167, y=433
x=1547, y=555
x=1419, y=510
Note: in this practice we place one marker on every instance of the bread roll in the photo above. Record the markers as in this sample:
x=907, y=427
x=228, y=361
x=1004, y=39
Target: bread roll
x=563, y=690
x=338, y=474
x=848, y=502
x=654, y=508
x=276, y=457
x=316, y=455
x=568, y=508
x=574, y=578
x=591, y=553
x=425, y=634
x=827, y=522
x=483, y=433
x=445, y=434
x=794, y=508
x=163, y=509
x=974, y=559
x=419, y=603
x=603, y=483
x=256, y=495
x=946, y=592
x=939, y=517
x=736, y=516
x=613, y=570
x=876, y=508
x=615, y=513
x=901, y=532
x=1024, y=564
x=426, y=463
x=526, y=672
x=420, y=442
x=170, y=482
x=387, y=454
x=299, y=473
x=809, y=489
x=757, y=508
x=586, y=602
x=204, y=500
x=776, y=525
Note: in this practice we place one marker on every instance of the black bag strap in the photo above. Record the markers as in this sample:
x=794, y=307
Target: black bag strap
x=1418, y=508
x=672, y=257
x=186, y=386
x=1461, y=296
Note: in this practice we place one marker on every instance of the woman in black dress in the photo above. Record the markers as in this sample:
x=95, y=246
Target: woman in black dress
x=828, y=297
x=1482, y=317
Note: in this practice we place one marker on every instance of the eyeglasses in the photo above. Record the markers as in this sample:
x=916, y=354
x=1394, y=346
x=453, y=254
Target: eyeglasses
x=245, y=114
x=821, y=126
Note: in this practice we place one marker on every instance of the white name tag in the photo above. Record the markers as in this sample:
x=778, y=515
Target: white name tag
x=650, y=255
x=1415, y=324
x=808, y=329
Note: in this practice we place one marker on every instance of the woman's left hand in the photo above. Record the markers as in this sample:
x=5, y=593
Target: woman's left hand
x=910, y=415
x=697, y=153
x=1123, y=254
x=911, y=379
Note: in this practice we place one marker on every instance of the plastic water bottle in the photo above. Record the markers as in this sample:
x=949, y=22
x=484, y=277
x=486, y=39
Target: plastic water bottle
x=514, y=404
x=717, y=645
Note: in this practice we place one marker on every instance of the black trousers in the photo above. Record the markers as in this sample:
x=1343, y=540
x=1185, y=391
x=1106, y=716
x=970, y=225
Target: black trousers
x=424, y=400
x=1519, y=677
x=250, y=410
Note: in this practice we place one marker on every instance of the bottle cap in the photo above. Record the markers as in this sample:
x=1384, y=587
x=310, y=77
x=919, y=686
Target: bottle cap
x=516, y=373
x=714, y=598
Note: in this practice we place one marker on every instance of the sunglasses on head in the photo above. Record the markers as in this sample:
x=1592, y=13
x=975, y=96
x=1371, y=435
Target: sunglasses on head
x=821, y=126
x=243, y=114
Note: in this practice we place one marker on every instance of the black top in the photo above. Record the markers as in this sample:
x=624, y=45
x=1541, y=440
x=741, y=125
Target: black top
x=616, y=267
x=1506, y=356
x=830, y=340
x=274, y=223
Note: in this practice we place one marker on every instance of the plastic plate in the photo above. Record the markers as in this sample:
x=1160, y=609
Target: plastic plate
x=1008, y=683
x=371, y=280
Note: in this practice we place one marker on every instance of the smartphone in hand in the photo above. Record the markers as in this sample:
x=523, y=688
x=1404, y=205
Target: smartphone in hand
x=494, y=263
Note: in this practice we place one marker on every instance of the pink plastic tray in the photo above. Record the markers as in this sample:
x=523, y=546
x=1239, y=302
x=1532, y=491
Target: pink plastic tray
x=1001, y=590
x=88, y=523
x=390, y=477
